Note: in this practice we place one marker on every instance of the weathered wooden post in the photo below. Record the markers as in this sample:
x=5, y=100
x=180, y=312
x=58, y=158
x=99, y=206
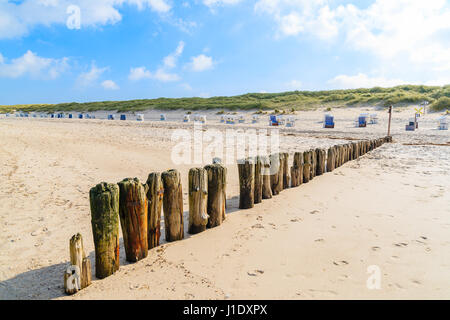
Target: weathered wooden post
x=286, y=176
x=246, y=169
x=133, y=211
x=173, y=205
x=155, y=194
x=355, y=150
x=78, y=258
x=78, y=275
x=216, y=194
x=104, y=201
x=307, y=166
x=258, y=180
x=276, y=180
x=72, y=279
x=313, y=163
x=198, y=200
x=330, y=159
x=336, y=156
x=321, y=158
x=297, y=170
x=266, y=185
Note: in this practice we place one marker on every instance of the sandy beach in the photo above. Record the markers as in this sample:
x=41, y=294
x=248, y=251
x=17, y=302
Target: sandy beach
x=390, y=208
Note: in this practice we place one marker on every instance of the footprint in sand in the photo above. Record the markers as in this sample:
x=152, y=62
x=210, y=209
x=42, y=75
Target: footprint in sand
x=340, y=263
x=375, y=248
x=401, y=244
x=255, y=273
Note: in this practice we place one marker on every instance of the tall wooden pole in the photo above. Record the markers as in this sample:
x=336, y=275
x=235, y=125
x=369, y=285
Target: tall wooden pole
x=389, y=124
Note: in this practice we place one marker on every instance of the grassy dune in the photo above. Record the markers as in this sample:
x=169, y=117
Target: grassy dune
x=438, y=97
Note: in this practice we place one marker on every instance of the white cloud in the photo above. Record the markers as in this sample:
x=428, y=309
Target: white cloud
x=402, y=35
x=18, y=18
x=361, y=80
x=110, y=85
x=139, y=73
x=32, y=65
x=89, y=78
x=162, y=73
x=171, y=60
x=211, y=3
x=201, y=63
x=164, y=76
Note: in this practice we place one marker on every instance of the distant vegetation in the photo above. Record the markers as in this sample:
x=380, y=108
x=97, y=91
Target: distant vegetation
x=438, y=97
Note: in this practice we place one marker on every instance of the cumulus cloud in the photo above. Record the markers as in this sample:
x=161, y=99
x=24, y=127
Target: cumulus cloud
x=90, y=77
x=162, y=73
x=110, y=85
x=139, y=73
x=171, y=60
x=30, y=64
x=18, y=18
x=201, y=63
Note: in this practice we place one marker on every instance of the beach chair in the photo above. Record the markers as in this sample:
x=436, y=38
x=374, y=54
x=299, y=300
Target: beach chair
x=80, y=116
x=290, y=122
x=412, y=125
x=186, y=118
x=222, y=119
x=111, y=117
x=230, y=120
x=373, y=118
x=241, y=119
x=362, y=121
x=162, y=117
x=70, y=116
x=443, y=123
x=140, y=117
x=202, y=119
x=329, y=121
x=255, y=119
x=273, y=121
x=123, y=117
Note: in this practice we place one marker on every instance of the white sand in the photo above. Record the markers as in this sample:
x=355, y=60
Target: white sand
x=390, y=208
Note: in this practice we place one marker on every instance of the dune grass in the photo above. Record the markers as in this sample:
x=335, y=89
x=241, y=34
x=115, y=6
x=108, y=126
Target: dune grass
x=438, y=97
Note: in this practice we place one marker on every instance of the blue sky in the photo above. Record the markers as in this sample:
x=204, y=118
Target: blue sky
x=82, y=50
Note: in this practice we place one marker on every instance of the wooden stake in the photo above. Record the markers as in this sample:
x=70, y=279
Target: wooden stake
x=173, y=205
x=330, y=159
x=72, y=279
x=266, y=185
x=155, y=195
x=297, y=170
x=216, y=174
x=276, y=180
x=198, y=200
x=307, y=166
x=246, y=183
x=286, y=177
x=133, y=211
x=78, y=258
x=258, y=180
x=104, y=201
x=389, y=123
x=321, y=159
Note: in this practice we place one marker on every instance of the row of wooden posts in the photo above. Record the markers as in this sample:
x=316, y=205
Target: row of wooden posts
x=137, y=207
x=260, y=179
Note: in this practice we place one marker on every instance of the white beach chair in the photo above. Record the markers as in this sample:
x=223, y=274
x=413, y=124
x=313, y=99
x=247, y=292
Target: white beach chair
x=140, y=117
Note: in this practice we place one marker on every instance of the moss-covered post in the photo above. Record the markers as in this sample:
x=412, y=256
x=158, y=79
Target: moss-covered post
x=104, y=201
